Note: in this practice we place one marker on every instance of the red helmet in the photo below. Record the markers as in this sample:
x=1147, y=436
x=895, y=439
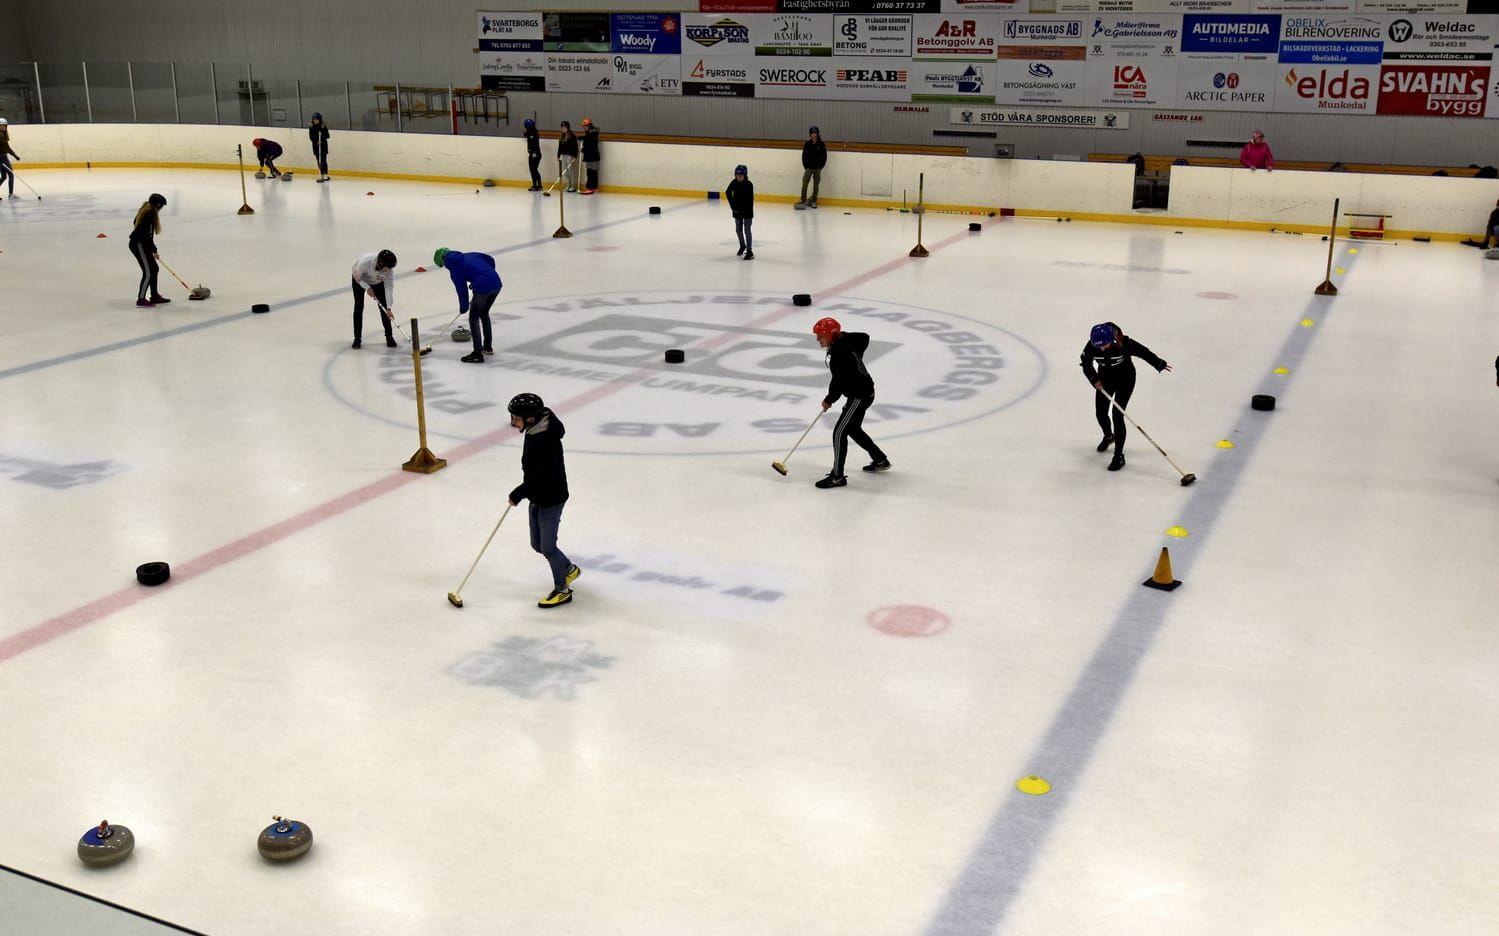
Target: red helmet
x=827, y=328
x=256, y=142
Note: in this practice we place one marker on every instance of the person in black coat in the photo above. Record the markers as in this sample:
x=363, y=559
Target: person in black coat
x=845, y=356
x=544, y=483
x=590, y=157
x=1107, y=365
x=741, y=198
x=567, y=156
x=143, y=249
x=533, y=154
x=317, y=132
x=266, y=153
x=814, y=157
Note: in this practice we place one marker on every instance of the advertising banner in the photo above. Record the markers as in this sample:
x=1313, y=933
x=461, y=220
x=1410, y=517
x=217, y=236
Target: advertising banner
x=720, y=76
x=647, y=74
x=990, y=6
x=1134, y=37
x=1041, y=60
x=1411, y=6
x=736, y=6
x=510, y=32
x=871, y=79
x=716, y=35
x=1439, y=38
x=575, y=32
x=952, y=82
x=1067, y=118
x=1130, y=82
x=512, y=71
x=645, y=33
x=1037, y=30
x=1231, y=34
x=790, y=77
x=1433, y=90
x=1301, y=6
x=1226, y=82
x=1331, y=40
x=1331, y=89
x=872, y=35
x=579, y=71
x=792, y=34
x=858, y=6
x=1143, y=6
x=955, y=37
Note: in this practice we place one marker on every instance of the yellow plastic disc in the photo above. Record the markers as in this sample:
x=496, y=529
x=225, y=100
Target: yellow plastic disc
x=1225, y=444
x=1033, y=786
x=1178, y=531
x=1353, y=250
x=1307, y=323
x=1282, y=371
x=1340, y=270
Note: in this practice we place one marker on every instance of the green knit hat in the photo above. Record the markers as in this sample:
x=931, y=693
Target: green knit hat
x=440, y=255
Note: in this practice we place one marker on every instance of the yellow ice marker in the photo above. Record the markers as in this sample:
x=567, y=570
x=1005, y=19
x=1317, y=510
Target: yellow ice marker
x=1033, y=786
x=1225, y=444
x=1340, y=270
x=1282, y=371
x=1353, y=250
x=1307, y=323
x=1177, y=531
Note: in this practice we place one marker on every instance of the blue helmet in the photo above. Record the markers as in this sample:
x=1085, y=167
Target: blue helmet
x=530, y=124
x=813, y=129
x=1103, y=335
x=741, y=169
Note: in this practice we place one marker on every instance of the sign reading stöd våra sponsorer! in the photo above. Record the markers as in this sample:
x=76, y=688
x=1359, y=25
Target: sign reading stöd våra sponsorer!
x=1039, y=117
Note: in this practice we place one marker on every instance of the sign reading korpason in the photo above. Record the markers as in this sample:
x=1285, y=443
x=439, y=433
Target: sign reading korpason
x=510, y=52
x=1040, y=117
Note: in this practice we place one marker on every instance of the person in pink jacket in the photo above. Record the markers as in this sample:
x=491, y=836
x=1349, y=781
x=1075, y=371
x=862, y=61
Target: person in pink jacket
x=1256, y=153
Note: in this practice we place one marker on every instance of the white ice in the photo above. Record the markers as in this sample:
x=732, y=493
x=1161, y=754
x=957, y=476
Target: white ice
x=714, y=737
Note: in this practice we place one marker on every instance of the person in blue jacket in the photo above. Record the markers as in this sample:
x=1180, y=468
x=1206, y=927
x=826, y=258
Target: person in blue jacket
x=473, y=270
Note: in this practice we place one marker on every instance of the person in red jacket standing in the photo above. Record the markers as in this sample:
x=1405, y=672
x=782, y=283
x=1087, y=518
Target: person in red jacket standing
x=1256, y=154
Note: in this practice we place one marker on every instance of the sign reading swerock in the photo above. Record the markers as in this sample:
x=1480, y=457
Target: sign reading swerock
x=742, y=388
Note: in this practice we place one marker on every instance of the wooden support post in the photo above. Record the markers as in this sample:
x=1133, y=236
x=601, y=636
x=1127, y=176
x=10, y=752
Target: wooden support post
x=562, y=230
x=1327, y=288
x=423, y=461
x=918, y=250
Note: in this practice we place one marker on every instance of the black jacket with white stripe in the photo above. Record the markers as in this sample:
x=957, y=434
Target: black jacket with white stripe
x=1114, y=361
x=846, y=361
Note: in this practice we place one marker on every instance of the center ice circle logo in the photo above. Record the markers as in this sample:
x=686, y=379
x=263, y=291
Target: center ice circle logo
x=753, y=374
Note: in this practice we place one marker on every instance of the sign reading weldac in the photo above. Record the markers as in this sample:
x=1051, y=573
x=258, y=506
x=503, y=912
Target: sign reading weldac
x=1394, y=57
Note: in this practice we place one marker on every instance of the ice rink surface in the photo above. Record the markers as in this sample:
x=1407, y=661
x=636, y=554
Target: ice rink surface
x=770, y=709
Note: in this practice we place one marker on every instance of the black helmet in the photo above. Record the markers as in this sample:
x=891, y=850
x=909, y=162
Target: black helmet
x=158, y=200
x=385, y=259
x=527, y=406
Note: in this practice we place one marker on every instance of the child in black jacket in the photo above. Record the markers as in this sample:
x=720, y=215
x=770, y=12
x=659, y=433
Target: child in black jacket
x=741, y=198
x=317, y=132
x=533, y=154
x=851, y=380
x=544, y=481
x=1107, y=365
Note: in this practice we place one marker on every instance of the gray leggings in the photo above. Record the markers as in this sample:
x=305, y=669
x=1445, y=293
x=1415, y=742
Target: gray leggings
x=742, y=228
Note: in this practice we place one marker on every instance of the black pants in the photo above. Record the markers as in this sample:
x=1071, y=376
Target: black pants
x=534, y=161
x=478, y=319
x=322, y=160
x=149, y=269
x=851, y=426
x=7, y=174
x=270, y=163
x=359, y=309
x=591, y=176
x=1121, y=383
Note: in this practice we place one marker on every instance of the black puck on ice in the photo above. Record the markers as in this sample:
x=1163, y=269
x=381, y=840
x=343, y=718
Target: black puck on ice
x=675, y=356
x=153, y=573
x=975, y=226
x=1262, y=402
x=655, y=209
x=802, y=299
x=260, y=308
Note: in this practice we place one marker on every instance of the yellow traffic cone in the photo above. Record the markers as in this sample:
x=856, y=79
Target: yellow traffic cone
x=1162, y=579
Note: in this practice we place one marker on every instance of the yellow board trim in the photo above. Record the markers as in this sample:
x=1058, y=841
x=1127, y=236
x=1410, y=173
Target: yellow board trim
x=979, y=210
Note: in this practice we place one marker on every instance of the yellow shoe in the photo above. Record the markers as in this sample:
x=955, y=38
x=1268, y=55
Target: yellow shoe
x=559, y=596
x=572, y=574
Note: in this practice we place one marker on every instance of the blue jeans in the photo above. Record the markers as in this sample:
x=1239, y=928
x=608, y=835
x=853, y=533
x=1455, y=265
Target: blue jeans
x=479, y=326
x=544, y=524
x=742, y=228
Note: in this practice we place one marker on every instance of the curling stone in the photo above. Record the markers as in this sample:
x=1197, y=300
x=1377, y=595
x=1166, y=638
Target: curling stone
x=153, y=573
x=1492, y=253
x=260, y=308
x=1262, y=402
x=105, y=845
x=975, y=226
x=675, y=356
x=461, y=334
x=260, y=175
x=655, y=209
x=489, y=183
x=284, y=840
x=286, y=177
x=802, y=299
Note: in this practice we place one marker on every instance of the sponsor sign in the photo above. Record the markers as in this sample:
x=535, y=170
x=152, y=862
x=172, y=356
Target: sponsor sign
x=791, y=77
x=1131, y=82
x=645, y=33
x=569, y=71
x=716, y=35
x=736, y=6
x=512, y=71
x=871, y=79
x=792, y=34
x=1231, y=34
x=1135, y=36
x=1301, y=6
x=872, y=35
x=970, y=6
x=509, y=32
x=956, y=37
x=858, y=6
x=952, y=81
x=1332, y=89
x=1433, y=90
x=647, y=74
x=1439, y=38
x=1055, y=30
x=1331, y=40
x=709, y=76
x=1143, y=6
x=1041, y=74
x=1064, y=117
x=1227, y=82
x=575, y=32
x=1412, y=6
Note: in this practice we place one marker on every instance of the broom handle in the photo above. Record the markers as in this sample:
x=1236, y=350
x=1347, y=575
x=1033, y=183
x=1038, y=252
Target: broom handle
x=1126, y=415
x=485, y=547
x=174, y=274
